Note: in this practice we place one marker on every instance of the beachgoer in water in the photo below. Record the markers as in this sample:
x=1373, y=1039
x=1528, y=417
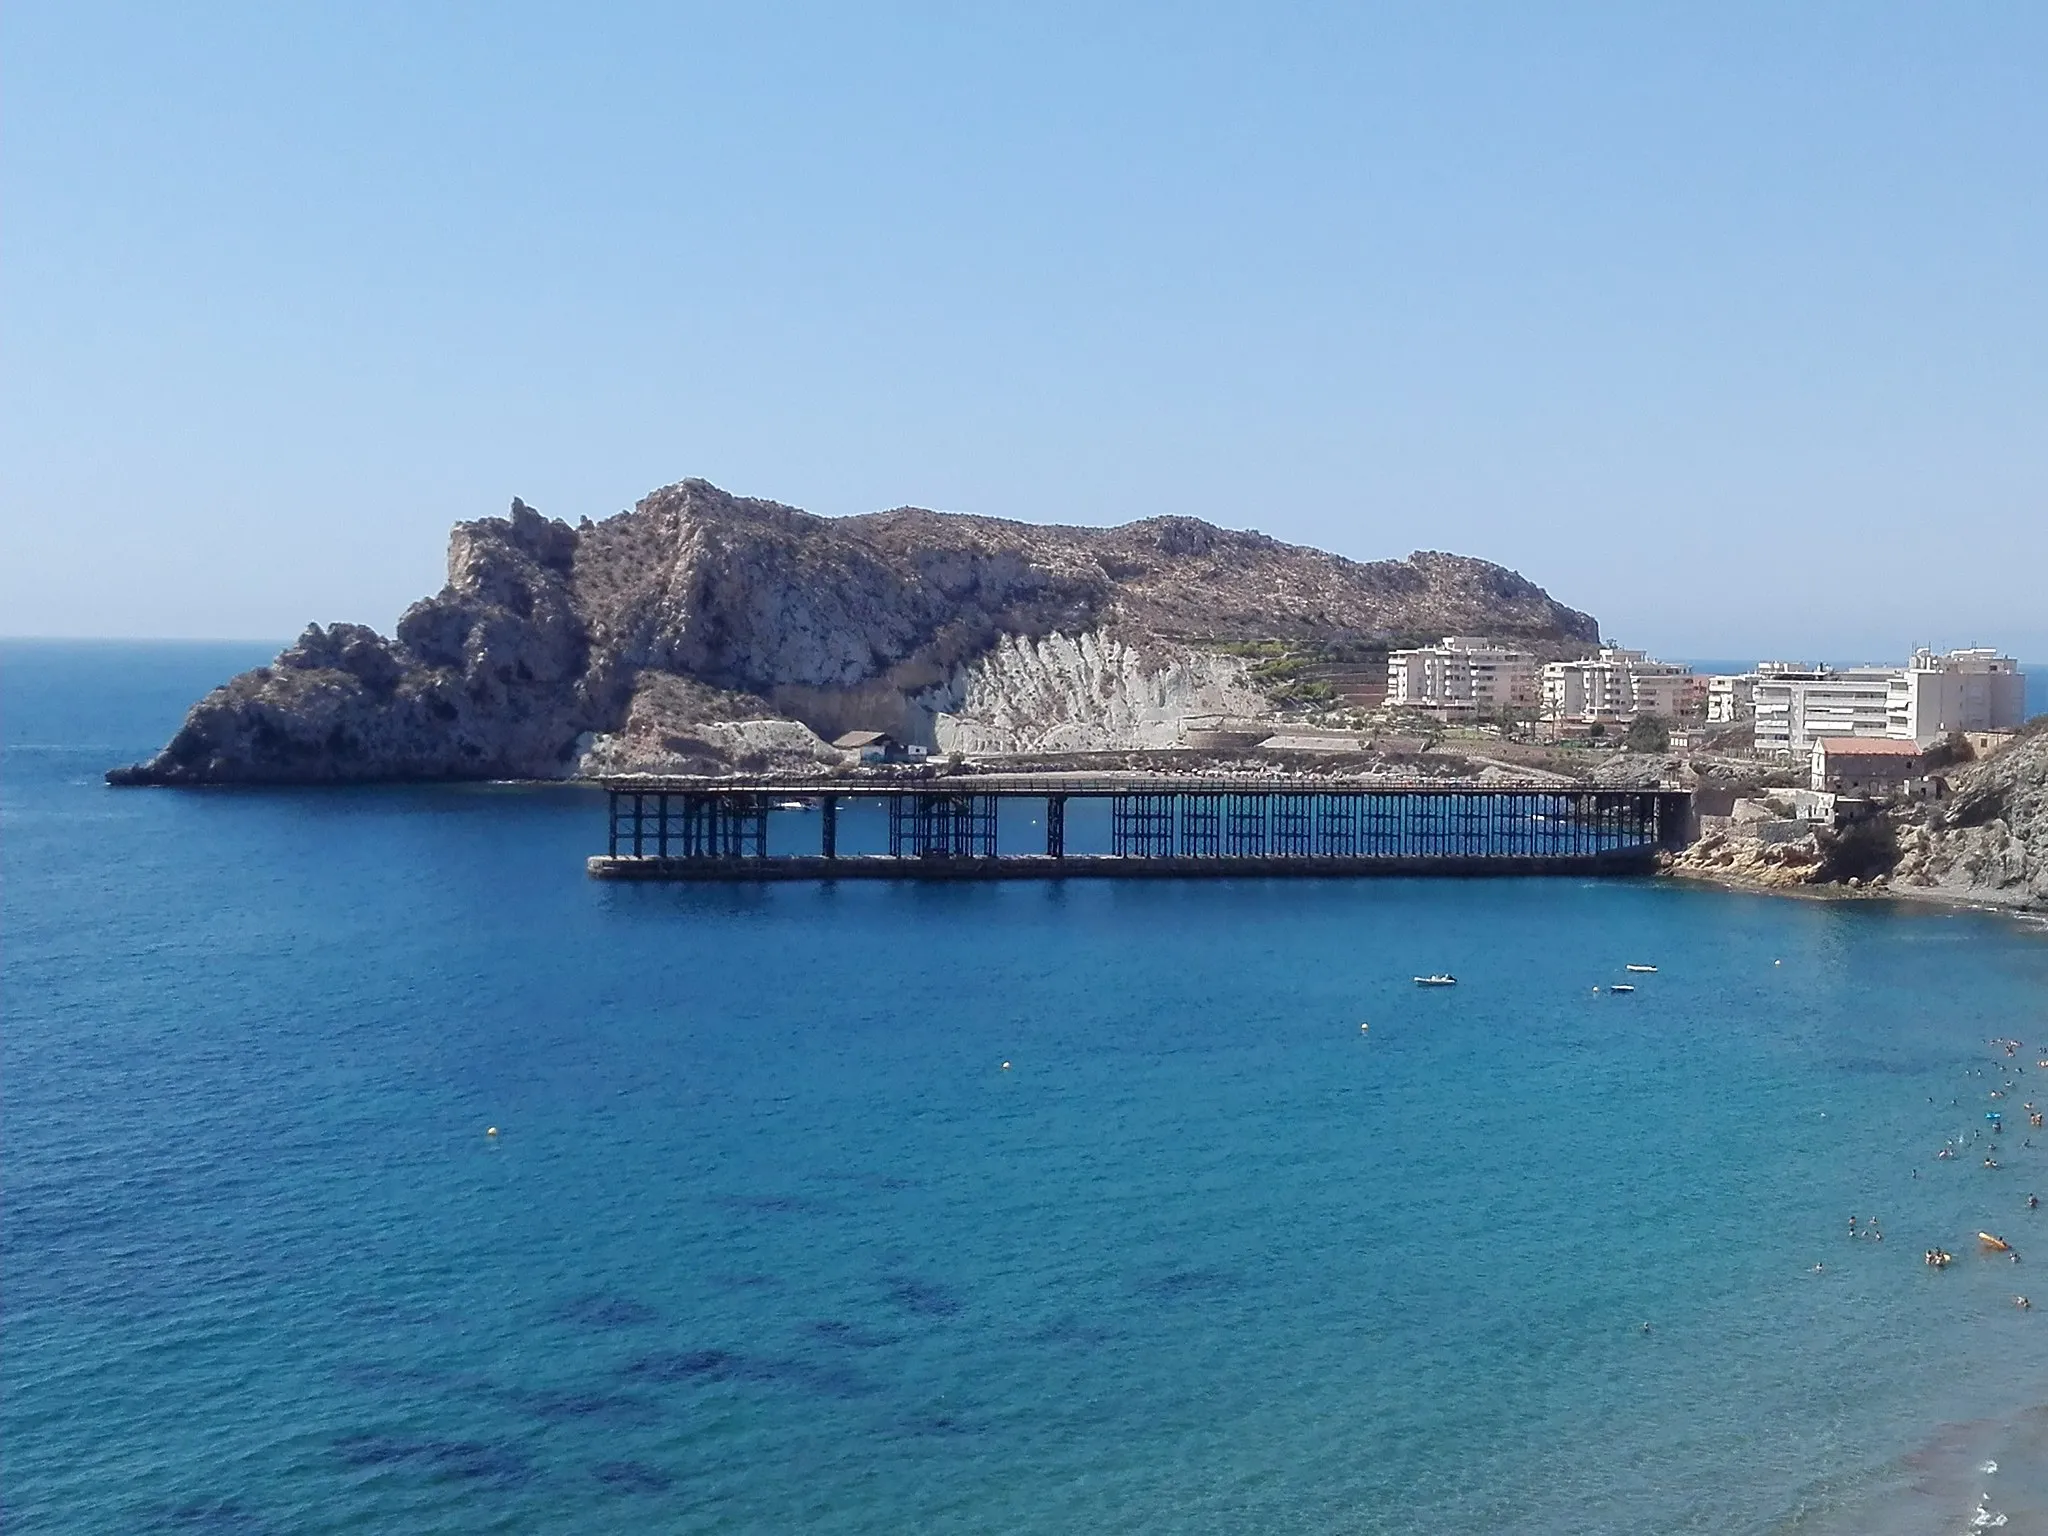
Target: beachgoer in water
x=2023, y=1304
x=2033, y=1202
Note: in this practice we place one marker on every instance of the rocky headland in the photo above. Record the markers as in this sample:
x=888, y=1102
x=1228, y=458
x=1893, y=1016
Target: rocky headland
x=1988, y=841
x=702, y=632
x=1984, y=843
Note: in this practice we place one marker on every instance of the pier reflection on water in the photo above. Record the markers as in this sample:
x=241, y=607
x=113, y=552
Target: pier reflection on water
x=990, y=827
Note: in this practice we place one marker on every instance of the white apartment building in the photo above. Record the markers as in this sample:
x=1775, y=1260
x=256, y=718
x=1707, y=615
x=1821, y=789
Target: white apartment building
x=1973, y=690
x=1614, y=685
x=1461, y=675
x=1731, y=698
x=1795, y=705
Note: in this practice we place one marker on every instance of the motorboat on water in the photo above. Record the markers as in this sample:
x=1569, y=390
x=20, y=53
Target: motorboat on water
x=1642, y=970
x=1436, y=981
x=790, y=805
x=1621, y=986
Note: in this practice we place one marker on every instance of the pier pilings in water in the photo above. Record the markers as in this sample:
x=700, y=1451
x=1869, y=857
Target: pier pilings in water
x=946, y=828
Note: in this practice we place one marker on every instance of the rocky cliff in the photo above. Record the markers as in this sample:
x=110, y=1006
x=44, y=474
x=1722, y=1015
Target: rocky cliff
x=1988, y=841
x=701, y=630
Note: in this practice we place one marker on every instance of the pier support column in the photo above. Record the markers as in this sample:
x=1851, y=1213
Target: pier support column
x=1056, y=826
x=828, y=809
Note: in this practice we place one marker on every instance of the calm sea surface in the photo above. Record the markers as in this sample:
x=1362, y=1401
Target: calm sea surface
x=770, y=1240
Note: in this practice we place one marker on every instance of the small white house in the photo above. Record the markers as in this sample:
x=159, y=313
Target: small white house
x=879, y=747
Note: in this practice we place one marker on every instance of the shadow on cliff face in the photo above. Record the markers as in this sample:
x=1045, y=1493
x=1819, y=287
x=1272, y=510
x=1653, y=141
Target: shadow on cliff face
x=1862, y=851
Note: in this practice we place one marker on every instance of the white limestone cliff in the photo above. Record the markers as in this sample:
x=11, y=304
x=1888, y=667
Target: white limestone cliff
x=1088, y=692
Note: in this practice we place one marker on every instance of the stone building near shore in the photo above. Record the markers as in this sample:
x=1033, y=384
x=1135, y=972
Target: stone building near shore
x=1849, y=765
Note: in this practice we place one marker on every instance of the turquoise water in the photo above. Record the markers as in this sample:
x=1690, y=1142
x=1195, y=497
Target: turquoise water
x=769, y=1238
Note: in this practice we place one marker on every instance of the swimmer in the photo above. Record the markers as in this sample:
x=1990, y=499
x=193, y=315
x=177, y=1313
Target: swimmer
x=1990, y=1162
x=1646, y=1327
x=1852, y=1226
x=1819, y=1269
x=2033, y=1202
x=2023, y=1304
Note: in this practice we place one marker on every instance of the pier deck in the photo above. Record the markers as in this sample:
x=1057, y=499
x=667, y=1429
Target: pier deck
x=943, y=827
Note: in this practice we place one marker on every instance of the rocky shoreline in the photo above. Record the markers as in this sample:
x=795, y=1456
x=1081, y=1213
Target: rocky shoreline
x=1984, y=845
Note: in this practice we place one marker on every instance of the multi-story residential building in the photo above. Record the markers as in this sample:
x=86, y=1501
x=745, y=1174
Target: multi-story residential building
x=1613, y=686
x=1731, y=698
x=1795, y=705
x=1974, y=690
x=1693, y=705
x=1459, y=676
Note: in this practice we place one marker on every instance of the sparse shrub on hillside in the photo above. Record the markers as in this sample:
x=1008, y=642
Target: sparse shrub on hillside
x=1648, y=733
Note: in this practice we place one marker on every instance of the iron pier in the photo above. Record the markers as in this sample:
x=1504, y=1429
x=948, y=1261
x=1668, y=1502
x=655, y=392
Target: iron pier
x=946, y=828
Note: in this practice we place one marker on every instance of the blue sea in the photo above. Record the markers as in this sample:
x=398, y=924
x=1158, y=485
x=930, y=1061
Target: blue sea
x=1029, y=1208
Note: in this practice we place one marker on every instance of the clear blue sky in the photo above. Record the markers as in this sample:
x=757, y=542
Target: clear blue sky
x=1728, y=323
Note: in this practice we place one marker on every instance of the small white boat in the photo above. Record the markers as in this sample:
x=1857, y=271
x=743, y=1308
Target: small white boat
x=789, y=805
x=1641, y=970
x=1621, y=986
x=1436, y=981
